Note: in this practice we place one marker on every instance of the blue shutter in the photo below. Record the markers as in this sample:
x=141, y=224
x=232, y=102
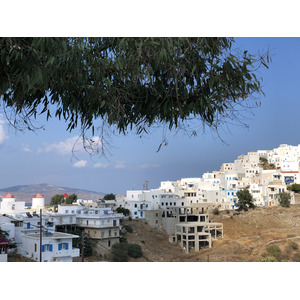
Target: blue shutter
x=43, y=248
x=50, y=248
x=28, y=225
x=59, y=246
x=67, y=246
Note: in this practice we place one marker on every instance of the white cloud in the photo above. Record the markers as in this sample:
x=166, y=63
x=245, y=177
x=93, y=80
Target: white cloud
x=74, y=144
x=26, y=148
x=149, y=166
x=65, y=147
x=3, y=136
x=101, y=165
x=120, y=165
x=80, y=164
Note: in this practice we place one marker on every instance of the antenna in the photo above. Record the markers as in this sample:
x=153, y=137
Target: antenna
x=145, y=185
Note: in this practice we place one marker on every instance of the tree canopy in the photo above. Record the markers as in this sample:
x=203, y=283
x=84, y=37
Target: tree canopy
x=126, y=83
x=110, y=196
x=245, y=200
x=71, y=198
x=284, y=199
x=57, y=199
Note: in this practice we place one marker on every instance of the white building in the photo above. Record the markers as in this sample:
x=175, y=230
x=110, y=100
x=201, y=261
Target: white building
x=56, y=247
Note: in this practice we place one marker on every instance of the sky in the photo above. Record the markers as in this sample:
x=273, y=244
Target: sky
x=46, y=155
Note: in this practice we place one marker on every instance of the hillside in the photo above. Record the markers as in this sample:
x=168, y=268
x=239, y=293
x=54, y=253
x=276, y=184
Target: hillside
x=26, y=192
x=246, y=237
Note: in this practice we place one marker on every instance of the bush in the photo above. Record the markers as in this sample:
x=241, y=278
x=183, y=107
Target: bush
x=128, y=228
x=119, y=252
x=134, y=250
x=294, y=187
x=284, y=199
x=215, y=211
x=275, y=251
x=294, y=245
x=124, y=211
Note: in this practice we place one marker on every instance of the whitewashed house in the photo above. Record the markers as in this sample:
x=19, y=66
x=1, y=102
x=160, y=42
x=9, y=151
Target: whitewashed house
x=56, y=247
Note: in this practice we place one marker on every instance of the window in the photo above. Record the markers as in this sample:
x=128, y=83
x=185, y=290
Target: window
x=46, y=247
x=66, y=211
x=63, y=246
x=109, y=243
x=35, y=247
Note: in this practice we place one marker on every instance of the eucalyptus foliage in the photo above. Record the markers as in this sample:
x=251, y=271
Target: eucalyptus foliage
x=127, y=83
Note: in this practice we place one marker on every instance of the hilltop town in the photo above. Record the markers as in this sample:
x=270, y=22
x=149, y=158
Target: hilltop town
x=190, y=212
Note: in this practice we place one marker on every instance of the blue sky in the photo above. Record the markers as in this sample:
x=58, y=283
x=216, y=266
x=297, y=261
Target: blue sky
x=45, y=157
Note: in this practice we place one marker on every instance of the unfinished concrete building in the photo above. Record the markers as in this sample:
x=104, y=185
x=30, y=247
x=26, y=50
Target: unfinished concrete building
x=190, y=226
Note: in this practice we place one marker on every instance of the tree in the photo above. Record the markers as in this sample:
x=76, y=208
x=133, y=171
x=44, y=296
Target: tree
x=245, y=200
x=57, y=199
x=71, y=198
x=109, y=197
x=77, y=242
x=263, y=160
x=294, y=187
x=284, y=199
x=122, y=210
x=127, y=83
x=119, y=252
x=134, y=250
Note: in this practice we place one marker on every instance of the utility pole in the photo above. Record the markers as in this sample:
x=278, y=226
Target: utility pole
x=82, y=246
x=41, y=232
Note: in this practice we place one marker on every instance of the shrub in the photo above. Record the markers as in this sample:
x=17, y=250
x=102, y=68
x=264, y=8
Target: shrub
x=275, y=251
x=215, y=211
x=128, y=228
x=294, y=245
x=124, y=211
x=119, y=252
x=294, y=187
x=284, y=199
x=134, y=250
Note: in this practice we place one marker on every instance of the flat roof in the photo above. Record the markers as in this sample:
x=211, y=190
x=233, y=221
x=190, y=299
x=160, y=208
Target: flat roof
x=55, y=235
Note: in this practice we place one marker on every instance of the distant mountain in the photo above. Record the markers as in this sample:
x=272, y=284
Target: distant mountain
x=26, y=192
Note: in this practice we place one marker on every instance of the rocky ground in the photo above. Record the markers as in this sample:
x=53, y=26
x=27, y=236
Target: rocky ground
x=246, y=237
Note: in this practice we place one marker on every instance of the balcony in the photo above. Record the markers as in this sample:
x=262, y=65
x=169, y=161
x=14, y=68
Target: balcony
x=75, y=252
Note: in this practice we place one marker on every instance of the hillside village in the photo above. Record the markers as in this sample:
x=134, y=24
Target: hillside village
x=182, y=208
